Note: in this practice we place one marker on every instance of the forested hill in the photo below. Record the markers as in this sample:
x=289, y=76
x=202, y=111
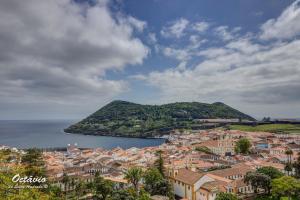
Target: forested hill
x=121, y=118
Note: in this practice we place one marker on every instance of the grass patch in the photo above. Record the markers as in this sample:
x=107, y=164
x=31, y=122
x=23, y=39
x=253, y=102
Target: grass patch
x=273, y=128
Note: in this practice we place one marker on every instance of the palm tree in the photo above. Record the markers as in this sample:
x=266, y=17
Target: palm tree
x=65, y=181
x=159, y=163
x=133, y=176
x=288, y=166
x=297, y=166
x=72, y=184
x=79, y=188
x=289, y=153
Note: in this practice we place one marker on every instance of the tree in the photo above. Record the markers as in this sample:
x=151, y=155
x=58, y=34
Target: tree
x=55, y=190
x=65, y=180
x=156, y=184
x=242, y=146
x=33, y=157
x=159, y=163
x=289, y=153
x=203, y=149
x=270, y=171
x=134, y=175
x=226, y=196
x=165, y=188
x=151, y=177
x=103, y=188
x=258, y=180
x=288, y=167
x=286, y=186
x=122, y=195
x=143, y=195
x=79, y=189
x=297, y=166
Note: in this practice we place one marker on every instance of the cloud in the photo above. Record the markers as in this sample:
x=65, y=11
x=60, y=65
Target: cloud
x=286, y=26
x=175, y=29
x=223, y=33
x=152, y=38
x=138, y=24
x=61, y=57
x=263, y=79
x=200, y=26
x=242, y=72
x=179, y=54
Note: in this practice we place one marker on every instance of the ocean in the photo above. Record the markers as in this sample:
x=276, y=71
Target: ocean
x=49, y=134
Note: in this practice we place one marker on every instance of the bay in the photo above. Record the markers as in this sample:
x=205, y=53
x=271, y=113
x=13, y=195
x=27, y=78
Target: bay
x=49, y=134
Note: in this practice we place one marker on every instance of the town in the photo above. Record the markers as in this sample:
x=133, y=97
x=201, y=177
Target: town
x=199, y=165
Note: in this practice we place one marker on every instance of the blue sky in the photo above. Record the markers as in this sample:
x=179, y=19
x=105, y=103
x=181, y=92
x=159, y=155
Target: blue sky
x=65, y=59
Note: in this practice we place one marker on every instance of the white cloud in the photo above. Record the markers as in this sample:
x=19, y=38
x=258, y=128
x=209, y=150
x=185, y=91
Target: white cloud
x=138, y=24
x=241, y=73
x=60, y=58
x=176, y=28
x=152, y=38
x=196, y=42
x=200, y=26
x=179, y=54
x=286, y=26
x=223, y=33
x=186, y=53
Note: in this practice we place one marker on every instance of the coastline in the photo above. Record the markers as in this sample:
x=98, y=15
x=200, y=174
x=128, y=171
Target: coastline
x=120, y=136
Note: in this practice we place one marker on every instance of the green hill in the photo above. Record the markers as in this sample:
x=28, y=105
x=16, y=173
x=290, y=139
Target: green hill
x=121, y=118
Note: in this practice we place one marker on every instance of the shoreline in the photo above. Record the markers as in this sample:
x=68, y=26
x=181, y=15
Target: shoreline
x=120, y=136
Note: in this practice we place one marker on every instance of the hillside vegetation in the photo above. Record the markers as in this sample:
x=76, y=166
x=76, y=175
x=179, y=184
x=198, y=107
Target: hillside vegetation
x=273, y=128
x=121, y=118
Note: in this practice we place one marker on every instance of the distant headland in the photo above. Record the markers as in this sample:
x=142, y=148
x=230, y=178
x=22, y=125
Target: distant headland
x=127, y=119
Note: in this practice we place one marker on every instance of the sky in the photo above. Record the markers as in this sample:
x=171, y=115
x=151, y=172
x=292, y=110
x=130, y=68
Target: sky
x=64, y=59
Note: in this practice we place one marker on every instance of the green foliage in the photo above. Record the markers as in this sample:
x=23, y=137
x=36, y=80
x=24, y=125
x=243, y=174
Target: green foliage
x=296, y=166
x=203, y=149
x=80, y=189
x=270, y=171
x=242, y=146
x=218, y=168
x=103, y=188
x=288, y=167
x=273, y=128
x=264, y=197
x=258, y=180
x=156, y=184
x=143, y=195
x=6, y=156
x=55, y=191
x=133, y=176
x=226, y=196
x=9, y=189
x=285, y=186
x=121, y=118
x=122, y=195
x=33, y=157
x=151, y=177
x=159, y=164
